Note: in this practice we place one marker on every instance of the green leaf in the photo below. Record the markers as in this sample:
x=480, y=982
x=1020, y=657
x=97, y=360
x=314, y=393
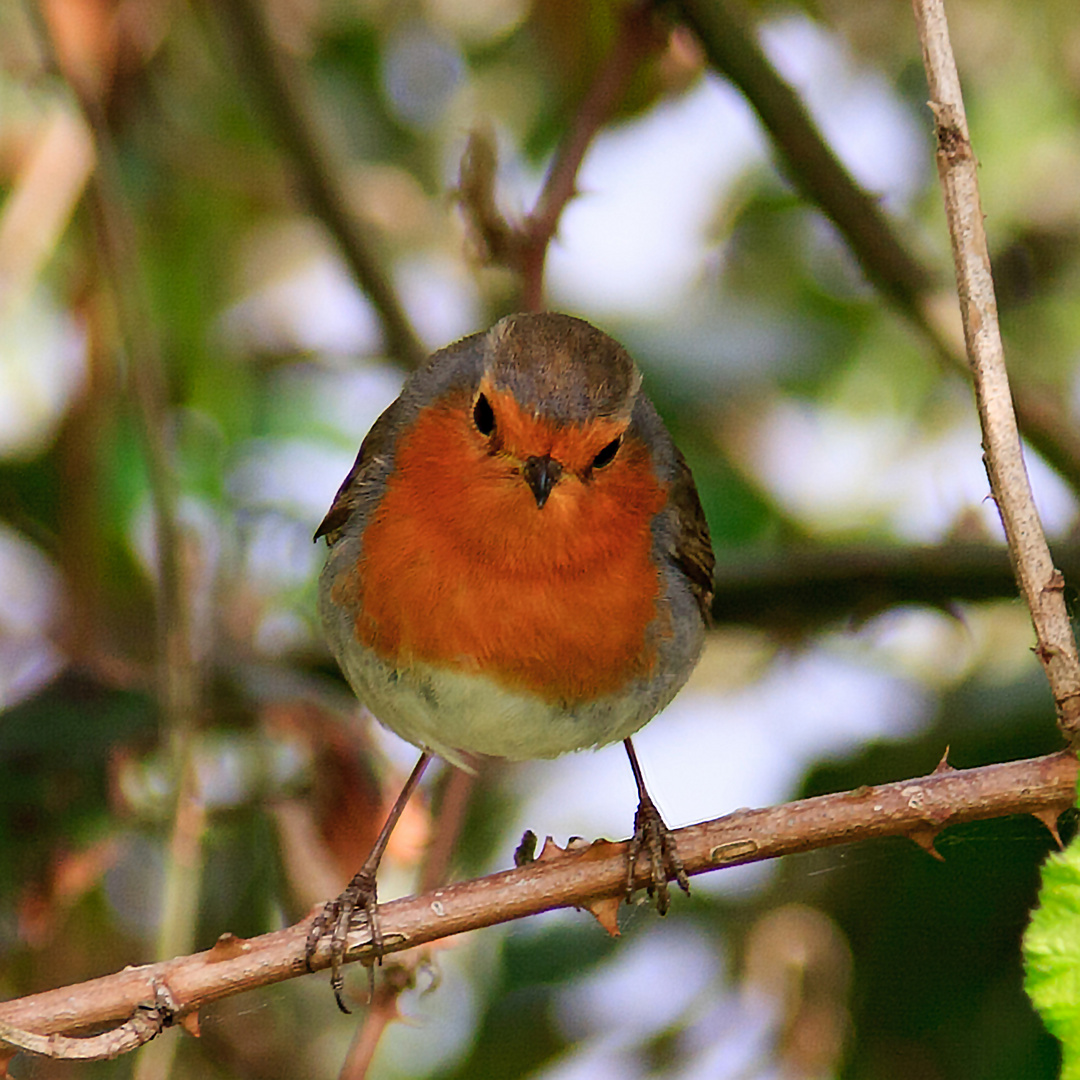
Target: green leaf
x=1052, y=954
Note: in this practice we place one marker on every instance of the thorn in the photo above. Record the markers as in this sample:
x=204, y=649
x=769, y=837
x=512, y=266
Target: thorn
x=925, y=839
x=943, y=765
x=606, y=913
x=1049, y=817
x=604, y=909
x=190, y=1023
x=550, y=850
x=1045, y=652
x=227, y=947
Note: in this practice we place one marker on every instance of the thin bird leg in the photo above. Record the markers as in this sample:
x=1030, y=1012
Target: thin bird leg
x=360, y=895
x=654, y=839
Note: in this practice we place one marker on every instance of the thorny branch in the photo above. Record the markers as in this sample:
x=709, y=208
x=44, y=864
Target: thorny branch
x=917, y=808
x=1041, y=584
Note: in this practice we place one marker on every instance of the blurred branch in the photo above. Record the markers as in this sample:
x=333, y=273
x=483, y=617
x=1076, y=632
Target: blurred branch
x=808, y=159
x=918, y=808
x=1041, y=584
x=800, y=589
x=118, y=250
x=637, y=37
x=179, y=678
x=724, y=30
x=456, y=788
x=285, y=98
x=523, y=248
x=397, y=977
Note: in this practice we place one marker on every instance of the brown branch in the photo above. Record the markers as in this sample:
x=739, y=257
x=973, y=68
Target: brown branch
x=286, y=103
x=1041, y=584
x=724, y=29
x=457, y=786
x=382, y=1011
x=145, y=1024
x=918, y=808
x=523, y=247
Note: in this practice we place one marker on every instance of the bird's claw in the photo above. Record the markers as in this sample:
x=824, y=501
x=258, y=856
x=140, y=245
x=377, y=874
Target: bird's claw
x=359, y=897
x=652, y=838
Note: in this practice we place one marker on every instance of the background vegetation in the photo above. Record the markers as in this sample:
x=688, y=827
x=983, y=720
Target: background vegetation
x=191, y=195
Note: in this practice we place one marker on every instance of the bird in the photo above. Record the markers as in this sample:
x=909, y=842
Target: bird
x=519, y=566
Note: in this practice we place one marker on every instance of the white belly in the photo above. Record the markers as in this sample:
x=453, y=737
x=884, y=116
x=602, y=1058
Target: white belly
x=451, y=711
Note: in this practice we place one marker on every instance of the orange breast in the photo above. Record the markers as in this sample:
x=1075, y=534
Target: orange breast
x=460, y=568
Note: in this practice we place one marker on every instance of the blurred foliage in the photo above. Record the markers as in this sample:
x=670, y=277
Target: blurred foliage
x=875, y=961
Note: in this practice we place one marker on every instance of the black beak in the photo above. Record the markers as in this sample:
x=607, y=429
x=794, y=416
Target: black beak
x=541, y=474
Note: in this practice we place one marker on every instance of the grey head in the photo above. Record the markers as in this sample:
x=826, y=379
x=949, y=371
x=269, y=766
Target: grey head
x=561, y=367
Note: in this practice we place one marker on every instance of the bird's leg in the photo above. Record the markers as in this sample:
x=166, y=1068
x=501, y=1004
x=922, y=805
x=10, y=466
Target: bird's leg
x=652, y=838
x=360, y=894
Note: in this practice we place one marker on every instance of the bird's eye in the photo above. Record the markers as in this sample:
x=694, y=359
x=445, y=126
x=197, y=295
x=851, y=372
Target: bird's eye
x=607, y=454
x=483, y=416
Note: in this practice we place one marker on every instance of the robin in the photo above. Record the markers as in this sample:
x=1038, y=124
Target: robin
x=519, y=566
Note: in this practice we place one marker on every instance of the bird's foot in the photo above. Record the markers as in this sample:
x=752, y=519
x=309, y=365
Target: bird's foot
x=654, y=841
x=359, y=898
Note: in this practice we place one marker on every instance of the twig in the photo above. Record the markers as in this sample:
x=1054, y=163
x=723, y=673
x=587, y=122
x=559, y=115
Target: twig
x=918, y=808
x=286, y=101
x=118, y=248
x=637, y=37
x=722, y=26
x=523, y=247
x=457, y=786
x=382, y=1011
x=1041, y=584
x=179, y=678
x=144, y=1025
x=400, y=975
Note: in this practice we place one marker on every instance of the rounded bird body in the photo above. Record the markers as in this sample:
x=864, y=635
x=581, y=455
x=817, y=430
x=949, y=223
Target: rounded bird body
x=519, y=564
